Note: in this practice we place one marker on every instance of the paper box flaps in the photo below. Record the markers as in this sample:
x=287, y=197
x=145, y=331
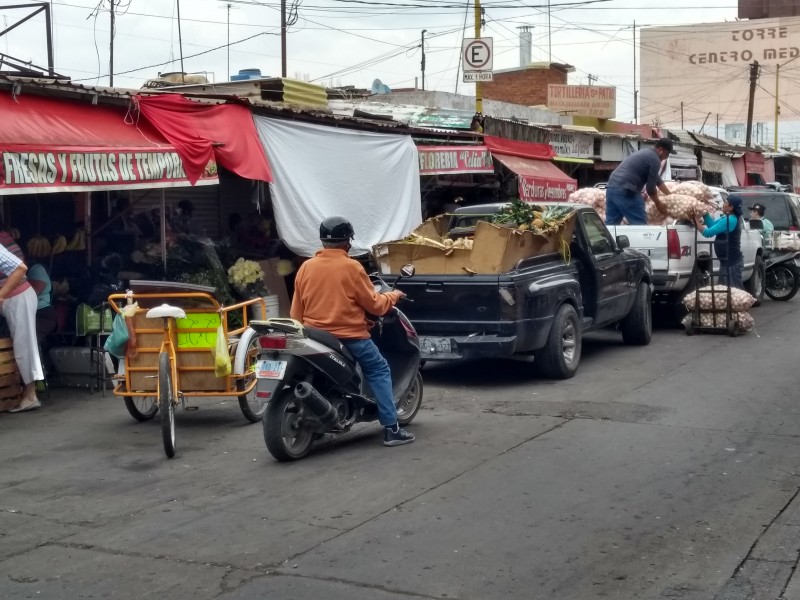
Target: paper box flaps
x=495, y=249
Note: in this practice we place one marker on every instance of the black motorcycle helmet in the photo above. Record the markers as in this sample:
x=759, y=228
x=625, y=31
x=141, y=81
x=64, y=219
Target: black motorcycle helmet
x=336, y=229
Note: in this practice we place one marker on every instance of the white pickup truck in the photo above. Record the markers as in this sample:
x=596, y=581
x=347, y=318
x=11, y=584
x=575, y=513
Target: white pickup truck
x=672, y=249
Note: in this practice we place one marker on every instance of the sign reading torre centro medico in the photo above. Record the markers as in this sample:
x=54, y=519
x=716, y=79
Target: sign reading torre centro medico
x=707, y=68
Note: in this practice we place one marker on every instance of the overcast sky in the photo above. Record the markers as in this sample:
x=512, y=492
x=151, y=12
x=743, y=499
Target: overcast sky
x=349, y=42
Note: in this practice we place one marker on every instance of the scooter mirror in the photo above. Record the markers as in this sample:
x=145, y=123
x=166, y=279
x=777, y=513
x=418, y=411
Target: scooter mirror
x=407, y=271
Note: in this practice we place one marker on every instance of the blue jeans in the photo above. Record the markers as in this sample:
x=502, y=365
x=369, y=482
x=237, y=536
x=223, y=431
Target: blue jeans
x=379, y=377
x=736, y=267
x=624, y=203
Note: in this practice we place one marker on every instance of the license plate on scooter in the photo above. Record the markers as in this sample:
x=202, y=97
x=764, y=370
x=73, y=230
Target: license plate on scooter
x=270, y=369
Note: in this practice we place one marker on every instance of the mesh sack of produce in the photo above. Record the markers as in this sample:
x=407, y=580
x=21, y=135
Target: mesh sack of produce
x=654, y=216
x=683, y=207
x=696, y=189
x=717, y=320
x=740, y=300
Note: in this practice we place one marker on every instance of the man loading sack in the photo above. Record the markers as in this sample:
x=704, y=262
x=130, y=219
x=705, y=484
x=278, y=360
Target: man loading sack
x=640, y=170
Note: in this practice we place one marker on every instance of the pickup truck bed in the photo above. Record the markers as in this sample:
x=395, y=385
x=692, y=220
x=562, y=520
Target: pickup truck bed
x=541, y=308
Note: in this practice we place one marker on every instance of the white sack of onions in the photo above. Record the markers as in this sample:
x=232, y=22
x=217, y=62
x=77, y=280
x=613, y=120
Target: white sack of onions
x=696, y=189
x=740, y=300
x=717, y=320
x=682, y=207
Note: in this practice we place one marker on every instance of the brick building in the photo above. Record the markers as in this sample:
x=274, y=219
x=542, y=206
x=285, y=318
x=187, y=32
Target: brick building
x=526, y=85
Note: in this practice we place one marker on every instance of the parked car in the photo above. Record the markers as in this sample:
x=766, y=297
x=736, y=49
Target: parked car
x=783, y=208
x=539, y=309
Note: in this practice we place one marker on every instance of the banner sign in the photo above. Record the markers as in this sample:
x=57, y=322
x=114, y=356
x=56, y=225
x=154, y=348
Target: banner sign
x=540, y=189
x=583, y=100
x=444, y=160
x=572, y=145
x=37, y=169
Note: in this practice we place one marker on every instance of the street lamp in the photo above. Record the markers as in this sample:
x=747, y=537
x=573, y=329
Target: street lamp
x=777, y=105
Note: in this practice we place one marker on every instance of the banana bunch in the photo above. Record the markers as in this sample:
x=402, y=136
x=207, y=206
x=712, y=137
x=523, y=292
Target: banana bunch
x=59, y=245
x=39, y=247
x=78, y=241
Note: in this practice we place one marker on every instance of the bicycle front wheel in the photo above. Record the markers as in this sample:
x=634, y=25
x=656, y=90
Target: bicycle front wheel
x=166, y=404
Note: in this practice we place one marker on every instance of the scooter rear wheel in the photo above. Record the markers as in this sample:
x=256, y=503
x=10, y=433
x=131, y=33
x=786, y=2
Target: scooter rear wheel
x=286, y=437
x=783, y=282
x=408, y=407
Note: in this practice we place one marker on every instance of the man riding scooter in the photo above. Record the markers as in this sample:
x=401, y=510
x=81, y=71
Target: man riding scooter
x=334, y=293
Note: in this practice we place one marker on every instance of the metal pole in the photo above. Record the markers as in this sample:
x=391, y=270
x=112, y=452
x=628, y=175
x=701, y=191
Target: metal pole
x=283, y=38
x=777, y=104
x=753, y=81
x=229, y=41
x=549, y=38
x=423, y=59
x=111, y=47
x=478, y=84
x=164, y=229
x=180, y=40
x=681, y=115
x=635, y=94
x=49, y=26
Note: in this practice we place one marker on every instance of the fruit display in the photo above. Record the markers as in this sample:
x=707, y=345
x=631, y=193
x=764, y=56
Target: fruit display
x=39, y=247
x=531, y=217
x=78, y=241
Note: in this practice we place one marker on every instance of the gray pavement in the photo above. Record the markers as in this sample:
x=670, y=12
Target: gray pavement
x=662, y=472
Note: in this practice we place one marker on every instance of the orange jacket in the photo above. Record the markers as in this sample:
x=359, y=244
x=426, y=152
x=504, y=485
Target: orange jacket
x=333, y=292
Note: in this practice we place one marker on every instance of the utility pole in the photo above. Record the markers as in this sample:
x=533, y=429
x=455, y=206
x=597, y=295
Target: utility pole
x=283, y=38
x=635, y=91
x=717, y=125
x=229, y=41
x=754, y=69
x=681, y=115
x=592, y=78
x=180, y=40
x=549, y=35
x=422, y=45
x=111, y=47
x=478, y=84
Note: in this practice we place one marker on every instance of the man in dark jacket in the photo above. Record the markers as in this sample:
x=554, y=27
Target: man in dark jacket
x=640, y=170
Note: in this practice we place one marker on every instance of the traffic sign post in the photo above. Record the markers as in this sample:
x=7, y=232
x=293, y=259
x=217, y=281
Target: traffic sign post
x=477, y=59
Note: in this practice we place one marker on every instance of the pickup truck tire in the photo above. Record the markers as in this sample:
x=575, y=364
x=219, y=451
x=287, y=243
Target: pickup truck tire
x=755, y=285
x=637, y=326
x=561, y=355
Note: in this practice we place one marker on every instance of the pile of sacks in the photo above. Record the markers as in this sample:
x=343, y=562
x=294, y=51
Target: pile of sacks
x=684, y=199
x=714, y=307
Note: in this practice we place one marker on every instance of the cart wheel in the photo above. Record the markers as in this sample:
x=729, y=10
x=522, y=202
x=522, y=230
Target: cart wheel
x=142, y=408
x=166, y=404
x=733, y=329
x=689, y=327
x=252, y=407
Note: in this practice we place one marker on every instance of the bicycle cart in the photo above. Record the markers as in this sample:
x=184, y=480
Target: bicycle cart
x=174, y=336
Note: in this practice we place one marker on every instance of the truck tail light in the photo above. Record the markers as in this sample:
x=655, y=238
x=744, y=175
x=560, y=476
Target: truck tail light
x=673, y=244
x=793, y=228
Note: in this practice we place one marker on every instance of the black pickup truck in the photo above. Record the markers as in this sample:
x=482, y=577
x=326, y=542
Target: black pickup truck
x=539, y=309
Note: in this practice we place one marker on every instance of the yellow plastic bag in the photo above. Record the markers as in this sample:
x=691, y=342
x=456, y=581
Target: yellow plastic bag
x=222, y=360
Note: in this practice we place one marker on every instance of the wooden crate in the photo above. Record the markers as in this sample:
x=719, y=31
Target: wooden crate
x=10, y=379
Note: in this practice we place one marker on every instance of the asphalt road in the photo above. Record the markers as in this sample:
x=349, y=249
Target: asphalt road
x=662, y=472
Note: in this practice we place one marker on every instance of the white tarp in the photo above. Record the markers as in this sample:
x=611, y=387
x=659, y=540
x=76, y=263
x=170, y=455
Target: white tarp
x=372, y=179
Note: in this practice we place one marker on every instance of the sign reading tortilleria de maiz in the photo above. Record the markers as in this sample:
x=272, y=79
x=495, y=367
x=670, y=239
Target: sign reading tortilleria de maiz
x=45, y=169
x=443, y=160
x=583, y=100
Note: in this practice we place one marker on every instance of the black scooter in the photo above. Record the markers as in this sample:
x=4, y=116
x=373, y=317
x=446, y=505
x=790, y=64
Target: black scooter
x=782, y=281
x=313, y=386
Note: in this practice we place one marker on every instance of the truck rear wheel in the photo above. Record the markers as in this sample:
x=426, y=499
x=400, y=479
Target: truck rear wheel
x=755, y=285
x=637, y=326
x=561, y=355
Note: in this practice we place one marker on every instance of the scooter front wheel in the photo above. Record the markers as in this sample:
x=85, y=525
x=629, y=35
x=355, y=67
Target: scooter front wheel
x=408, y=406
x=286, y=436
x=783, y=282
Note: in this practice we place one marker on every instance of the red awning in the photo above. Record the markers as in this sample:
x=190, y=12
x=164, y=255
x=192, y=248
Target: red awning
x=754, y=163
x=539, y=180
x=204, y=132
x=521, y=149
x=53, y=145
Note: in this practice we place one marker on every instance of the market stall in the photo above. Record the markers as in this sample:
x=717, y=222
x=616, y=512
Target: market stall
x=537, y=178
